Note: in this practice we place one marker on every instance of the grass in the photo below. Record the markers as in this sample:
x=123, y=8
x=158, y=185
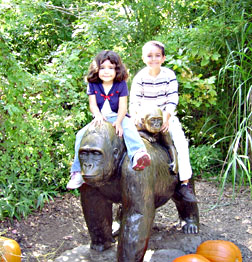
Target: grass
x=237, y=73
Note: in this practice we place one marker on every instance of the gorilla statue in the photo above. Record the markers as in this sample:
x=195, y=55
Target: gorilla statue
x=149, y=128
x=109, y=178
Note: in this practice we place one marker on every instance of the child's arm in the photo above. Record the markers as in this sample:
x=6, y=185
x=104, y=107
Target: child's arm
x=122, y=110
x=165, y=126
x=98, y=117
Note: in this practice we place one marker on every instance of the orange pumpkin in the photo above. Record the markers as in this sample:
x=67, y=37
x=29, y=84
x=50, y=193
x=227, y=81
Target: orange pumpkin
x=9, y=250
x=220, y=251
x=191, y=258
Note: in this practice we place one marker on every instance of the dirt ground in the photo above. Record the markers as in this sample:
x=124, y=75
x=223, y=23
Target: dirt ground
x=60, y=226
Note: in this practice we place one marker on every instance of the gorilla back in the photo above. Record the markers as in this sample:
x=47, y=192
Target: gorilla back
x=110, y=179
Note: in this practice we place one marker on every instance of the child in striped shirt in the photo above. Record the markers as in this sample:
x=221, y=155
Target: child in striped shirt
x=157, y=86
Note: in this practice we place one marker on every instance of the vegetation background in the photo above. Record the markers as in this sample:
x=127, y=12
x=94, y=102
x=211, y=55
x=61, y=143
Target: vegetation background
x=46, y=48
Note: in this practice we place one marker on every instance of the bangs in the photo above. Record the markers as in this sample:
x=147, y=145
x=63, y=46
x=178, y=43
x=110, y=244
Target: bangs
x=111, y=57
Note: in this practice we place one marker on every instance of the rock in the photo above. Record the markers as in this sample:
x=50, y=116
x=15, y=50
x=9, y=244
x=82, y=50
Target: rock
x=83, y=253
x=177, y=245
x=163, y=255
x=184, y=242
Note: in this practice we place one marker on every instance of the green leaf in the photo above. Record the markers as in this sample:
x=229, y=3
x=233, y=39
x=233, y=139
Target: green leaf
x=204, y=62
x=215, y=56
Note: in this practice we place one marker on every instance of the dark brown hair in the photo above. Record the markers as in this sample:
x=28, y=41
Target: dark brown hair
x=114, y=58
x=155, y=43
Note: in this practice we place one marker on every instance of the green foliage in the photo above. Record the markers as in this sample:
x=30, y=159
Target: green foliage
x=37, y=133
x=205, y=161
x=238, y=134
x=19, y=196
x=45, y=51
x=196, y=92
x=34, y=30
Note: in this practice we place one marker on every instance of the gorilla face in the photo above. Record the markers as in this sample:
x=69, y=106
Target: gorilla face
x=153, y=123
x=91, y=158
x=99, y=155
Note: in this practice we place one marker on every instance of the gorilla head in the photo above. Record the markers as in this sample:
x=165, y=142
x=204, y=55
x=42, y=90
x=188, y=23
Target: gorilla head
x=100, y=153
x=152, y=120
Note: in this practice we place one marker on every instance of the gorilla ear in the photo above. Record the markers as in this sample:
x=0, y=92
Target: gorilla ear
x=116, y=153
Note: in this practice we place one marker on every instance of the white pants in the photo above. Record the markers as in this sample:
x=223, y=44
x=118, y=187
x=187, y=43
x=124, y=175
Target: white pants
x=181, y=145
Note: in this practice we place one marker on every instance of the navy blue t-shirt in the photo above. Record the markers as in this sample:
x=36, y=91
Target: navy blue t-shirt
x=117, y=90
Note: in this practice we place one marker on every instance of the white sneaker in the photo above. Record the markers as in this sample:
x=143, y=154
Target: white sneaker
x=141, y=160
x=76, y=180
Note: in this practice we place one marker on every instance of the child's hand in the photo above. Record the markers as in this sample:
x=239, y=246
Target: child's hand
x=165, y=127
x=98, y=120
x=136, y=120
x=119, y=129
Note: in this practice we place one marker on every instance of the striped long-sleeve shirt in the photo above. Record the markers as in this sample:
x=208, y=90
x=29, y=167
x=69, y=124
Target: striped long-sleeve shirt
x=149, y=92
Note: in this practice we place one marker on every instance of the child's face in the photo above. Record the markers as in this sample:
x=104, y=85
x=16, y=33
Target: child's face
x=153, y=57
x=107, y=72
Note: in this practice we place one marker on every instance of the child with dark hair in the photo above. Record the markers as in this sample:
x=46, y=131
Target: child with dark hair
x=108, y=94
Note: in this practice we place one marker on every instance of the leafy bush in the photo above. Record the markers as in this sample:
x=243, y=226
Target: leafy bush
x=37, y=134
x=46, y=48
x=205, y=161
x=20, y=196
x=34, y=30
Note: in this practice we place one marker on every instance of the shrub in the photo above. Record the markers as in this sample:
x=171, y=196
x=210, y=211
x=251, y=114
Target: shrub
x=205, y=161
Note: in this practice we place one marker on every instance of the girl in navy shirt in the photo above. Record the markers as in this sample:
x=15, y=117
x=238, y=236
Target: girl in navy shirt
x=108, y=94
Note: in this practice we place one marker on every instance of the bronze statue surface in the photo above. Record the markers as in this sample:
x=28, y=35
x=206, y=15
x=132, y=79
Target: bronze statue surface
x=110, y=179
x=149, y=127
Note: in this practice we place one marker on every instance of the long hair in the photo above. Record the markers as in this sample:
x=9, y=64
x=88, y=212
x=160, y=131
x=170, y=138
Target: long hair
x=114, y=58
